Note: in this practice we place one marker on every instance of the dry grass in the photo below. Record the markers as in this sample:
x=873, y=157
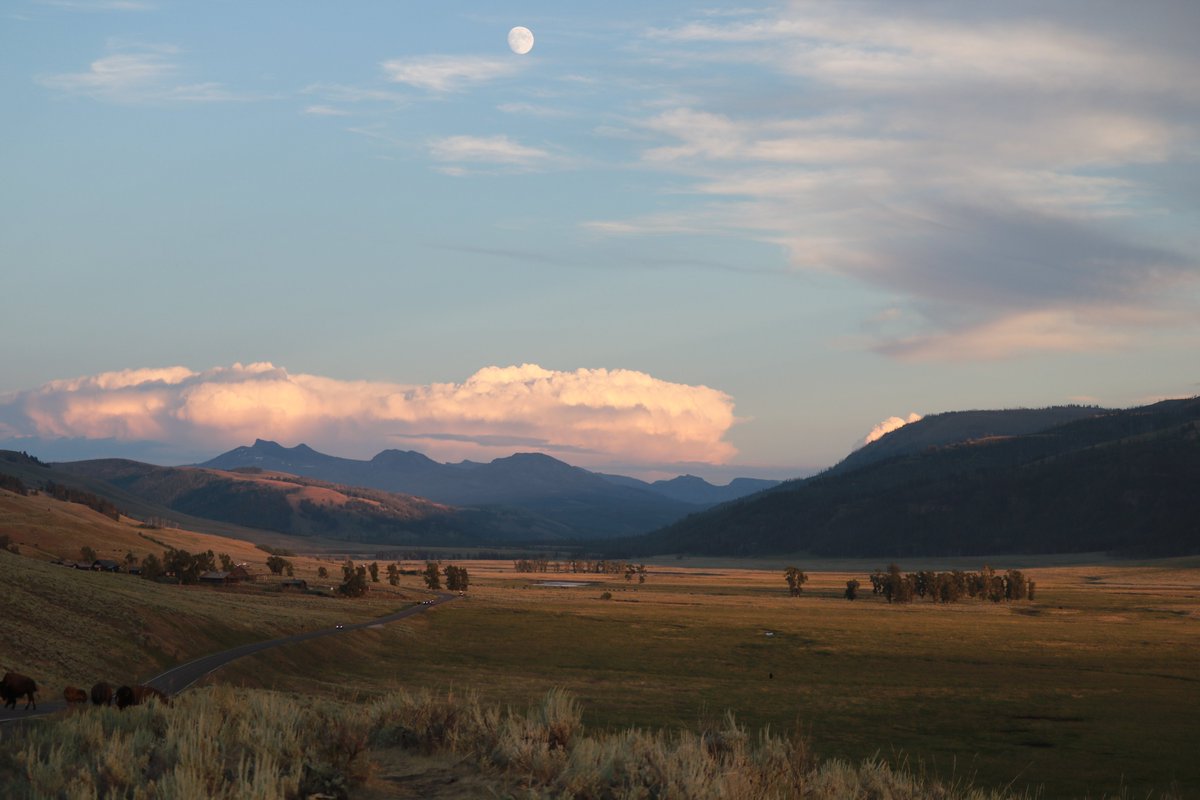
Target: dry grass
x=220, y=743
x=1088, y=689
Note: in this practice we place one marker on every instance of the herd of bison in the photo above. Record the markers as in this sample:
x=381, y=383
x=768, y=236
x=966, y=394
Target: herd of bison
x=15, y=686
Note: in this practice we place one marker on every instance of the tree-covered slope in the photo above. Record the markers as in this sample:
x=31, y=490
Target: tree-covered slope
x=1123, y=481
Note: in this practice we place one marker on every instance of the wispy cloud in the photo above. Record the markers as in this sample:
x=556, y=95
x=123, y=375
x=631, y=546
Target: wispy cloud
x=987, y=168
x=439, y=73
x=145, y=74
x=598, y=414
x=495, y=150
x=99, y=5
x=326, y=111
x=342, y=93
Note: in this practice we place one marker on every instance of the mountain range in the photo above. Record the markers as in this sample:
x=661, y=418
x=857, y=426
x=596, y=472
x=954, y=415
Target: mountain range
x=589, y=504
x=972, y=483
x=395, y=498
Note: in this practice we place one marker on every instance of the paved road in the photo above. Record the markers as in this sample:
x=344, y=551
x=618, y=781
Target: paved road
x=178, y=678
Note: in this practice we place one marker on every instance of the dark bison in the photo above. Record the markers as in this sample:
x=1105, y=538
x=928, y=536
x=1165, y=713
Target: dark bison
x=136, y=695
x=102, y=694
x=15, y=685
x=74, y=695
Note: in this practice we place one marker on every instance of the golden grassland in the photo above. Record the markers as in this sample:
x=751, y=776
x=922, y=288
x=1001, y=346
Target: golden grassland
x=222, y=743
x=1090, y=690
x=74, y=627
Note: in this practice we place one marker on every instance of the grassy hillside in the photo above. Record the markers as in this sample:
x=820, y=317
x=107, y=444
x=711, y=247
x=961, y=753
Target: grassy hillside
x=74, y=627
x=1121, y=482
x=303, y=506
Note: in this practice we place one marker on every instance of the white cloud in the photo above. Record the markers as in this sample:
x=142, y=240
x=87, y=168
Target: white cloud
x=890, y=424
x=147, y=74
x=488, y=150
x=448, y=73
x=598, y=415
x=325, y=111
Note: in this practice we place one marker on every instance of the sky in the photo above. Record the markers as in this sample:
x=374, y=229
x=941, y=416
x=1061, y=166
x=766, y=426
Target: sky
x=672, y=238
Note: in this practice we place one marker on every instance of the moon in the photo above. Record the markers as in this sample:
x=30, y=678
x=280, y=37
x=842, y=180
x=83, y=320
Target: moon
x=520, y=40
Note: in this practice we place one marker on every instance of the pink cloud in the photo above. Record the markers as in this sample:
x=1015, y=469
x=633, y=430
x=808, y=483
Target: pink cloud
x=596, y=414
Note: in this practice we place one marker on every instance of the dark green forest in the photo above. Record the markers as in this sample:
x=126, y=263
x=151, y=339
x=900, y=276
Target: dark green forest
x=1123, y=482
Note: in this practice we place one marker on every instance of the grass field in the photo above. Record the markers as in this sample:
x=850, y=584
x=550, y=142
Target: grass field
x=1091, y=689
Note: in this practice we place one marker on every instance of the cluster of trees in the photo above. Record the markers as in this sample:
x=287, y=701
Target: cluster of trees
x=457, y=579
x=949, y=587
x=354, y=580
x=13, y=484
x=600, y=567
x=185, y=567
x=92, y=501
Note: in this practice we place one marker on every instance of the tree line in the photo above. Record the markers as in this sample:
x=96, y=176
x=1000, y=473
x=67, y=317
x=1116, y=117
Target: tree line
x=939, y=587
x=585, y=566
x=70, y=495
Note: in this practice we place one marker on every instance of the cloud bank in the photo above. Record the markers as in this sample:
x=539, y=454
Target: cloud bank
x=597, y=415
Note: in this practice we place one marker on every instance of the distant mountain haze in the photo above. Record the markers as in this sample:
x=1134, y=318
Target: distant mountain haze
x=588, y=503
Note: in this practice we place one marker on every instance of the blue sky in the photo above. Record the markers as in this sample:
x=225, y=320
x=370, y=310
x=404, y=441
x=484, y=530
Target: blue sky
x=722, y=240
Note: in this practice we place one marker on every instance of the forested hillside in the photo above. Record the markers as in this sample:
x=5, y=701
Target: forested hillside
x=1123, y=482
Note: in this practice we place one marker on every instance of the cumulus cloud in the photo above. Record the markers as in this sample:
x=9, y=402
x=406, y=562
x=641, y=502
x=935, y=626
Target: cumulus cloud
x=888, y=425
x=598, y=415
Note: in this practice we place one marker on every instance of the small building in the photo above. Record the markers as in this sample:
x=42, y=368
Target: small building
x=295, y=583
x=215, y=577
x=240, y=573
x=106, y=565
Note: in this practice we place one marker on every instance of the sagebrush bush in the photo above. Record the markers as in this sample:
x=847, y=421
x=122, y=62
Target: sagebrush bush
x=226, y=743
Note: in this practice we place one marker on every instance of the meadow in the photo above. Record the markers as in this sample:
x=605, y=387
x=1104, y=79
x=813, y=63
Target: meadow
x=1089, y=690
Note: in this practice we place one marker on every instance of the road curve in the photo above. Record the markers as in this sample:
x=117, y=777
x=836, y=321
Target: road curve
x=178, y=678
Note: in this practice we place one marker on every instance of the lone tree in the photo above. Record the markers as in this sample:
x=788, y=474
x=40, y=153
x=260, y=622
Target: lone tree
x=852, y=589
x=393, y=573
x=457, y=579
x=374, y=570
x=277, y=564
x=87, y=554
x=322, y=572
x=433, y=578
x=795, y=580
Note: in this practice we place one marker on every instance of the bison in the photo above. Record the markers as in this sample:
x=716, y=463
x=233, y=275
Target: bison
x=15, y=685
x=102, y=694
x=74, y=695
x=136, y=695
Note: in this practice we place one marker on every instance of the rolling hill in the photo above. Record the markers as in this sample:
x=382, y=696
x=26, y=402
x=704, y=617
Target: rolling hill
x=301, y=506
x=1117, y=481
x=587, y=503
